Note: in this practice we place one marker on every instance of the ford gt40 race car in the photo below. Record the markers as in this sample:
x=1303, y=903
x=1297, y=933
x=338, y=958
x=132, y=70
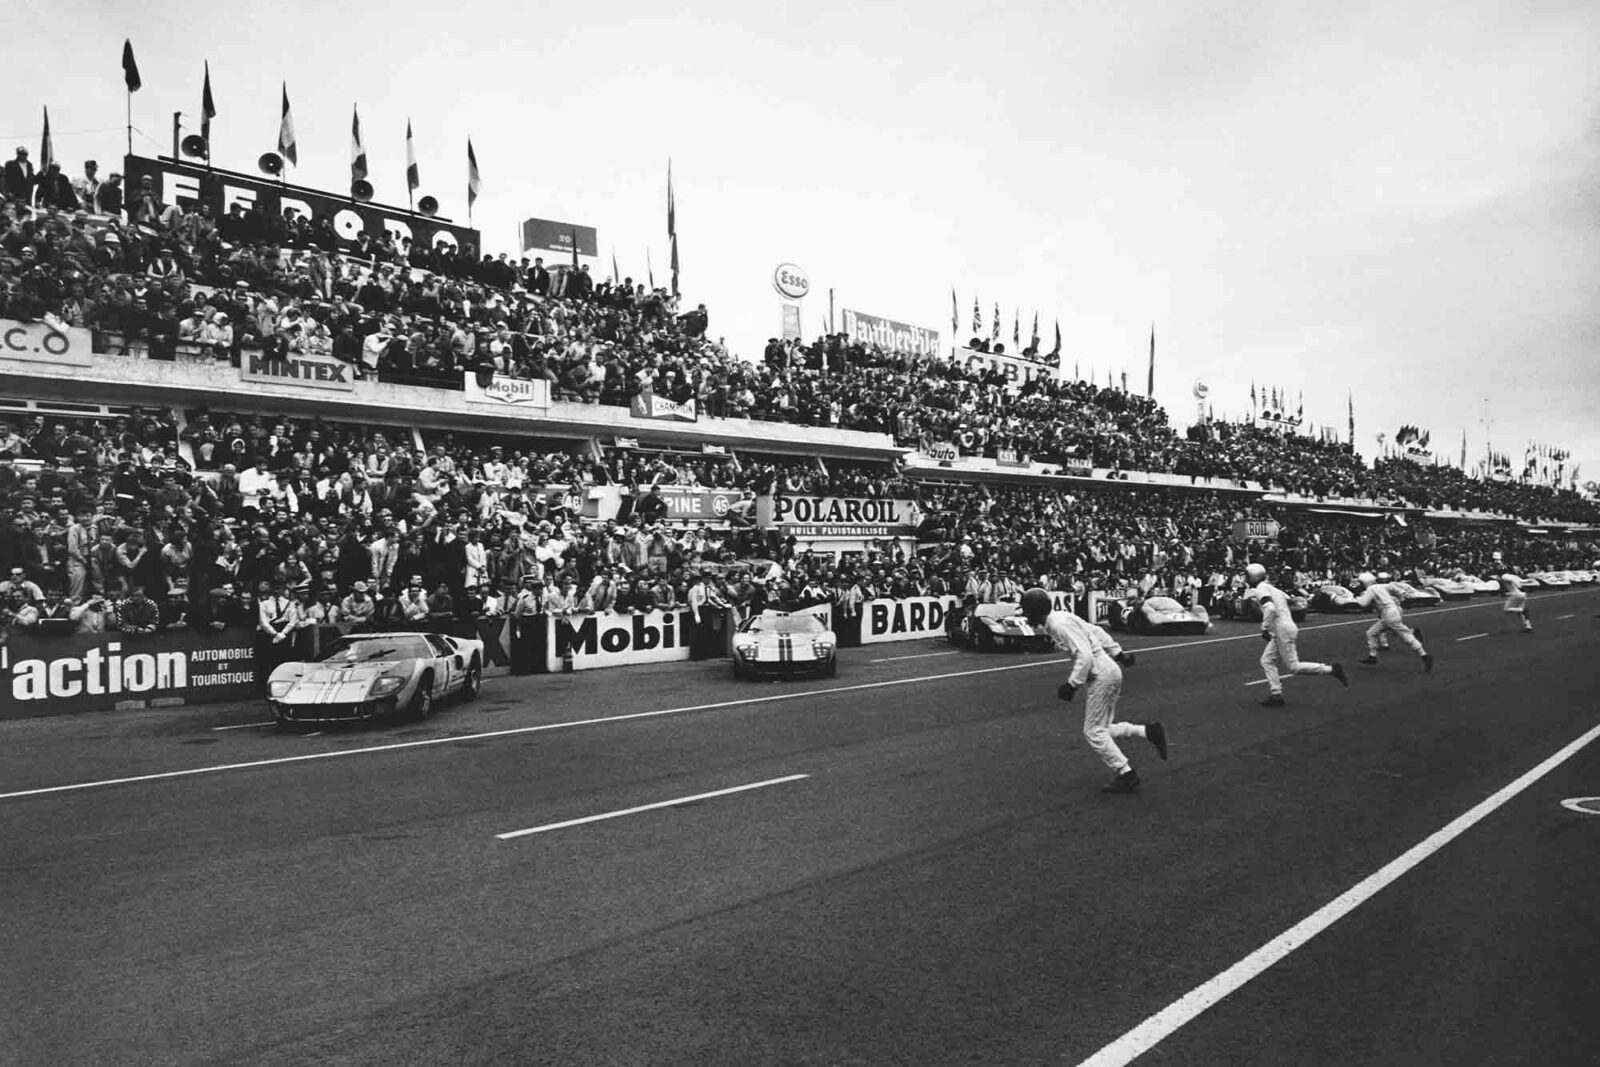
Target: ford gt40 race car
x=369, y=676
x=1334, y=598
x=1551, y=579
x=1249, y=608
x=1164, y=615
x=1479, y=585
x=781, y=643
x=1448, y=588
x=1412, y=597
x=992, y=627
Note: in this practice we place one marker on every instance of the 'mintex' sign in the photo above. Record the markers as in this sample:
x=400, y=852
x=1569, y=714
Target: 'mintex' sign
x=838, y=516
x=299, y=369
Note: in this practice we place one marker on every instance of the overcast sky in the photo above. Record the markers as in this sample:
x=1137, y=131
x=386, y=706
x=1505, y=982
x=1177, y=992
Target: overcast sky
x=1399, y=200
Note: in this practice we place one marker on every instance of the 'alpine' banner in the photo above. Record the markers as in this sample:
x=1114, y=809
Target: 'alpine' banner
x=828, y=516
x=95, y=672
x=904, y=619
x=612, y=640
x=685, y=504
x=894, y=336
x=647, y=405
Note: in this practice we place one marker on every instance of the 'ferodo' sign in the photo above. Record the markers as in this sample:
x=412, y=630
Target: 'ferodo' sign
x=93, y=672
x=902, y=620
x=609, y=640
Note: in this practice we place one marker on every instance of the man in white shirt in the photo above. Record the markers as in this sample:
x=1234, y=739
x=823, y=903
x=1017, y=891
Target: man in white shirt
x=1096, y=660
x=1279, y=631
x=1516, y=599
x=1380, y=595
x=277, y=618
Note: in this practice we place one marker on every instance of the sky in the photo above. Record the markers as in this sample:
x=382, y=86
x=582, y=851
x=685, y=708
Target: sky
x=1395, y=202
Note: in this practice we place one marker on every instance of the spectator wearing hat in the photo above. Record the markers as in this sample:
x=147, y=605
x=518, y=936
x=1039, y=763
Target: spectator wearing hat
x=358, y=610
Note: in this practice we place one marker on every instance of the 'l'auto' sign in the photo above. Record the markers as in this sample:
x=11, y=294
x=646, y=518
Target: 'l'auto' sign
x=790, y=281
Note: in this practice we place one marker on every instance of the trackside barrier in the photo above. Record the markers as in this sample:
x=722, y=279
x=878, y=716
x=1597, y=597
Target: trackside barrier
x=99, y=672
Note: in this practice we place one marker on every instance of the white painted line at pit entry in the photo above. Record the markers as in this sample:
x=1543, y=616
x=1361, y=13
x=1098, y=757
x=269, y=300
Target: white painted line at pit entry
x=919, y=655
x=770, y=698
x=1164, y=1023
x=1582, y=805
x=1471, y=637
x=248, y=725
x=648, y=807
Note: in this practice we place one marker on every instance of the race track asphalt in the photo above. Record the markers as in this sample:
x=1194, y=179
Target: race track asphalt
x=945, y=885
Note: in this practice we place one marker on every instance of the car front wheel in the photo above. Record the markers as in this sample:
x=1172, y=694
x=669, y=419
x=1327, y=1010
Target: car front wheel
x=421, y=707
x=472, y=685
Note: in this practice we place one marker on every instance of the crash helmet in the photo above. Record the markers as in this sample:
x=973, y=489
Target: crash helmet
x=1365, y=579
x=1035, y=604
x=1255, y=574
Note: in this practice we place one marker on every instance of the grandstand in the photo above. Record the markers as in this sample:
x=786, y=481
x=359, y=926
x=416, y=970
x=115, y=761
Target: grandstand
x=198, y=404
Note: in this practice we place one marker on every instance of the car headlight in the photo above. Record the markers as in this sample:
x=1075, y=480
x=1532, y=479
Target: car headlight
x=386, y=683
x=822, y=647
x=280, y=689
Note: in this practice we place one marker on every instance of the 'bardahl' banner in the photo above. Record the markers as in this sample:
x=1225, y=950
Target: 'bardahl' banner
x=828, y=516
x=39, y=342
x=904, y=619
x=94, y=672
x=894, y=336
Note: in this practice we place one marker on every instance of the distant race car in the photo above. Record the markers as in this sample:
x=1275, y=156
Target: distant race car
x=1334, y=598
x=1412, y=597
x=1530, y=582
x=784, y=643
x=1448, y=588
x=1582, y=577
x=1551, y=579
x=1249, y=609
x=371, y=676
x=1479, y=585
x=994, y=627
x=1164, y=615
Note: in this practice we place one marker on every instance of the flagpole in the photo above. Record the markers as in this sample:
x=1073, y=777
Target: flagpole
x=130, y=121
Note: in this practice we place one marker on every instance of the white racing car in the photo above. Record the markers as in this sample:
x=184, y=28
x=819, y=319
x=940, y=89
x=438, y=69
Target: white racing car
x=371, y=676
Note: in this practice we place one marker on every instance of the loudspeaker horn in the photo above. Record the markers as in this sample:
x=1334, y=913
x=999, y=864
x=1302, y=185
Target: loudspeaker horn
x=270, y=163
x=428, y=206
x=361, y=189
x=195, y=145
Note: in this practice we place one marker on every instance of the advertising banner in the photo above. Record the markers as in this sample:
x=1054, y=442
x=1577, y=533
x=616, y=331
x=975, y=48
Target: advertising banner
x=39, y=342
x=507, y=392
x=298, y=369
x=943, y=451
x=827, y=516
x=1255, y=530
x=698, y=505
x=647, y=405
x=902, y=620
x=791, y=322
x=894, y=336
x=1010, y=457
x=1019, y=371
x=94, y=672
x=611, y=640
x=557, y=237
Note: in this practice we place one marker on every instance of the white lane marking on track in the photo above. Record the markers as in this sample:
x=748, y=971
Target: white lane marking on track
x=1566, y=617
x=771, y=698
x=1471, y=637
x=1168, y=1020
x=648, y=807
x=1582, y=805
x=919, y=655
x=1258, y=681
x=248, y=725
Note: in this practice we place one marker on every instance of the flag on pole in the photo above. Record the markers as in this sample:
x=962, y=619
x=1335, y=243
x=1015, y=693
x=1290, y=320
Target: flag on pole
x=208, y=110
x=474, y=179
x=616, y=275
x=672, y=205
x=574, y=232
x=1035, y=342
x=1352, y=398
x=1150, y=382
x=1016, y=328
x=286, y=146
x=1057, y=350
x=1463, y=448
x=955, y=316
x=649, y=269
x=977, y=318
x=130, y=69
x=994, y=327
x=358, y=153
x=413, y=175
x=47, y=153
x=674, y=264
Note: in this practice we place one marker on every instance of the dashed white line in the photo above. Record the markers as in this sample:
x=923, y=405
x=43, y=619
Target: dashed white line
x=648, y=807
x=1574, y=616
x=919, y=655
x=770, y=698
x=1471, y=637
x=1258, y=681
x=248, y=725
x=1164, y=1023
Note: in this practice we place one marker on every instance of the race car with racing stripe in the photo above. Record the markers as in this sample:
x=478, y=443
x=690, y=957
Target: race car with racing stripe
x=1164, y=615
x=1334, y=598
x=362, y=677
x=1448, y=588
x=994, y=627
x=780, y=643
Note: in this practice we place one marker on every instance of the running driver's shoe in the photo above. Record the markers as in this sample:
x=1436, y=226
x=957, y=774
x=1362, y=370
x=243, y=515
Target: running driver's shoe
x=1126, y=782
x=1274, y=700
x=1369, y=661
x=1338, y=672
x=1156, y=734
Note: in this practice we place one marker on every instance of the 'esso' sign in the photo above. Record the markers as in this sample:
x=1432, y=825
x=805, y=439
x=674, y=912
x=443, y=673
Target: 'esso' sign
x=790, y=281
x=1201, y=389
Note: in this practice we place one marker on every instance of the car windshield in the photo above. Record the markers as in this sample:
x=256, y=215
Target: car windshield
x=784, y=624
x=376, y=649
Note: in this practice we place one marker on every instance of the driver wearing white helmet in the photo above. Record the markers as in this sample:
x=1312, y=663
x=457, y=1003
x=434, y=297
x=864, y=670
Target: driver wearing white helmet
x=1279, y=631
x=1390, y=620
x=1097, y=660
